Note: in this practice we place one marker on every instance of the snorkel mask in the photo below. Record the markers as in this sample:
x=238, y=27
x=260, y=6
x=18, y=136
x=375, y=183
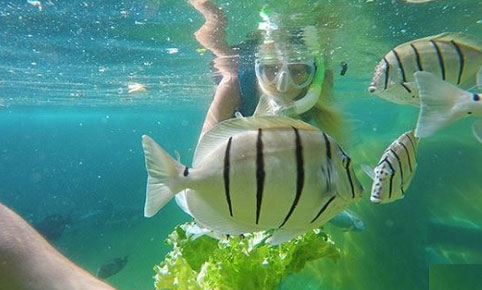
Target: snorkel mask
x=289, y=66
x=284, y=75
x=282, y=63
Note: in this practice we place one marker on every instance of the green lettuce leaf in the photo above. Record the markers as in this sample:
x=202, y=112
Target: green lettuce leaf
x=240, y=262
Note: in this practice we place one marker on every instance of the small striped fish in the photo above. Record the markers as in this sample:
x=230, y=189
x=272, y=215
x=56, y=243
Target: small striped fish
x=254, y=174
x=395, y=170
x=454, y=57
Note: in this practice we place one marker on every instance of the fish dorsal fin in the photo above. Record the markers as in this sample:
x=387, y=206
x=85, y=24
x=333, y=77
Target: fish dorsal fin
x=462, y=38
x=459, y=37
x=220, y=133
x=264, y=107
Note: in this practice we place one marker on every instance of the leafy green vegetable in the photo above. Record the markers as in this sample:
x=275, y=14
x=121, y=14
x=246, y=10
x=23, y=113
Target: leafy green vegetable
x=245, y=262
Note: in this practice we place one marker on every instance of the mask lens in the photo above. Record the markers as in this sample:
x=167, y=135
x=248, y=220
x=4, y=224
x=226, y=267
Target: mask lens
x=271, y=71
x=300, y=73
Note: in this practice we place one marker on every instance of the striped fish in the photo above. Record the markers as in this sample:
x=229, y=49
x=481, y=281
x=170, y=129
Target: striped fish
x=395, y=170
x=255, y=174
x=454, y=57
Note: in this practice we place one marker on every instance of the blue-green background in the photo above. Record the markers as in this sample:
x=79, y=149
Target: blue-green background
x=70, y=132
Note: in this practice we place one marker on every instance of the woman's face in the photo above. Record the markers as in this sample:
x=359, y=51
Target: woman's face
x=284, y=79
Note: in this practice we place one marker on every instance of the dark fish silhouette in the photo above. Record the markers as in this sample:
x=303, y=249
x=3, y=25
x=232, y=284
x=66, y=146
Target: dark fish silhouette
x=53, y=226
x=111, y=268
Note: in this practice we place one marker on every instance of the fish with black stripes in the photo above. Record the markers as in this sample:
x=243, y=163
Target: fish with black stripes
x=442, y=103
x=395, y=170
x=254, y=174
x=453, y=57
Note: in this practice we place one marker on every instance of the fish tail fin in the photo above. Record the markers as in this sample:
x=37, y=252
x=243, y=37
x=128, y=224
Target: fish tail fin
x=438, y=103
x=477, y=130
x=163, y=176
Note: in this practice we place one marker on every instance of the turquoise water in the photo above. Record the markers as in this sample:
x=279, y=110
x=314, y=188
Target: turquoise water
x=71, y=132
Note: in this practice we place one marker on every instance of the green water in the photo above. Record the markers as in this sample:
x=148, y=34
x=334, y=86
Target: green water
x=71, y=134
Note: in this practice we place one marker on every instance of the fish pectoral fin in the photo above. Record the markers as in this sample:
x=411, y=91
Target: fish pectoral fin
x=438, y=100
x=284, y=235
x=368, y=171
x=477, y=130
x=195, y=231
x=412, y=86
x=182, y=203
x=206, y=216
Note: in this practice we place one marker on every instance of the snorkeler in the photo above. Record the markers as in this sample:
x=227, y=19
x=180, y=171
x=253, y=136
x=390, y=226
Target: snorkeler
x=29, y=262
x=282, y=81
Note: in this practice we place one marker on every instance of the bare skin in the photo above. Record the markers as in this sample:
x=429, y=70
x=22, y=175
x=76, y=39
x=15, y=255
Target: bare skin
x=227, y=97
x=29, y=262
x=212, y=36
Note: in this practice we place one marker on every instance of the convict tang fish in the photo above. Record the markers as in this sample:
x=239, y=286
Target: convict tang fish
x=453, y=57
x=254, y=174
x=395, y=170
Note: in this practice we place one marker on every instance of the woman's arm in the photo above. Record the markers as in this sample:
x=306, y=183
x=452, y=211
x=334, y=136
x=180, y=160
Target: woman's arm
x=29, y=262
x=212, y=36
